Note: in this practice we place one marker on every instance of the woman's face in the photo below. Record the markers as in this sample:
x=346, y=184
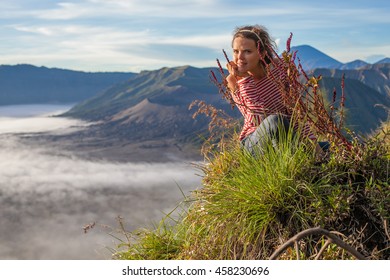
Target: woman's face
x=245, y=55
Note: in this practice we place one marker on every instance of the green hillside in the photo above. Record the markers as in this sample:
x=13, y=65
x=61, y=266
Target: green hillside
x=376, y=76
x=167, y=86
x=365, y=107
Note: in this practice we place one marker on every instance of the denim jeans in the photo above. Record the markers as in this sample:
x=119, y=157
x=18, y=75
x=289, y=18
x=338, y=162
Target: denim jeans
x=268, y=130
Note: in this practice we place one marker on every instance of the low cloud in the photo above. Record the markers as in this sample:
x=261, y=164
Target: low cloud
x=34, y=119
x=48, y=195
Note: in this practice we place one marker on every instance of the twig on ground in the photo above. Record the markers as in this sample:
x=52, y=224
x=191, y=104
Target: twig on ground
x=315, y=231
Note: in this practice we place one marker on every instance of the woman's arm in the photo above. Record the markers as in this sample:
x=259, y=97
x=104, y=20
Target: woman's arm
x=231, y=82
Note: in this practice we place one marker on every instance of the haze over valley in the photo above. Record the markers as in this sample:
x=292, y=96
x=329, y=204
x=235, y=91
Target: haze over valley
x=48, y=194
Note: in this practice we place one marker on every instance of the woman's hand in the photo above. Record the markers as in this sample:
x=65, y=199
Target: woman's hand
x=234, y=75
x=233, y=70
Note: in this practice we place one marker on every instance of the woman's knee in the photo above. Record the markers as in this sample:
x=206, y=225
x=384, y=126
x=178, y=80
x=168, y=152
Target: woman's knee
x=273, y=123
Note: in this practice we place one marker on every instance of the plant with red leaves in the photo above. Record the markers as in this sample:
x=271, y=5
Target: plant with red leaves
x=301, y=97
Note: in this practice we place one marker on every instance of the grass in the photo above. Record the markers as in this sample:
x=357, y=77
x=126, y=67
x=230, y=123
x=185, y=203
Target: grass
x=250, y=205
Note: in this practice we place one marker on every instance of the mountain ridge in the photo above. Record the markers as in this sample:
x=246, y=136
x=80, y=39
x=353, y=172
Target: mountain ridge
x=154, y=105
x=376, y=76
x=29, y=84
x=175, y=88
x=312, y=58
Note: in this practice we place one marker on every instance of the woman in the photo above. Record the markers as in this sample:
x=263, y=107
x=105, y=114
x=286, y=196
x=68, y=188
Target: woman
x=257, y=97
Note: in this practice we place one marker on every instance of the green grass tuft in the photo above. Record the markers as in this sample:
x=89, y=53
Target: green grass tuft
x=250, y=205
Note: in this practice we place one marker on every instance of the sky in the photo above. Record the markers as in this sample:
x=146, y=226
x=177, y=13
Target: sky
x=136, y=35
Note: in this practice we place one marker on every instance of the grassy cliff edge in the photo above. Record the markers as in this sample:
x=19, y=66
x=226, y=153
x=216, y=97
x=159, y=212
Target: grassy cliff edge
x=250, y=206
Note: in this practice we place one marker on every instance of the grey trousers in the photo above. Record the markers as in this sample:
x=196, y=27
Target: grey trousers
x=268, y=130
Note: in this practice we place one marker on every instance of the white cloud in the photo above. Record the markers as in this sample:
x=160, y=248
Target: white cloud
x=47, y=198
x=150, y=9
x=41, y=170
x=48, y=194
x=207, y=41
x=138, y=8
x=92, y=47
x=28, y=125
x=121, y=35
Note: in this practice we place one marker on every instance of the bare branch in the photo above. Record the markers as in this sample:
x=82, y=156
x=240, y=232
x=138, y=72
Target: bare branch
x=317, y=231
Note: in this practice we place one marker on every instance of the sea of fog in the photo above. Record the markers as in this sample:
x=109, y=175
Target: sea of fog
x=47, y=196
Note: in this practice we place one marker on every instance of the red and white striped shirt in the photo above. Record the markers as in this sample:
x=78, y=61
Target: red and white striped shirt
x=257, y=99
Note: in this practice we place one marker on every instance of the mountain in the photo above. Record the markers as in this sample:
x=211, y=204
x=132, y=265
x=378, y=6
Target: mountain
x=385, y=60
x=375, y=76
x=27, y=84
x=154, y=104
x=312, y=58
x=354, y=64
x=364, y=105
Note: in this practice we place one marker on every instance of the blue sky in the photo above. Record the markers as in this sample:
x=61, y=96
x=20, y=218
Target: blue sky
x=135, y=35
